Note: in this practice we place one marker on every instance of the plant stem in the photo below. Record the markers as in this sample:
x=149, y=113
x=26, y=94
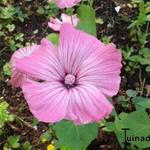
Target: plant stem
x=24, y=122
x=91, y=2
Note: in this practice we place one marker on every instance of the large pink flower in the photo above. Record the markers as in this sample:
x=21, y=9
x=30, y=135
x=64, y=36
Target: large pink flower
x=55, y=23
x=75, y=79
x=67, y=3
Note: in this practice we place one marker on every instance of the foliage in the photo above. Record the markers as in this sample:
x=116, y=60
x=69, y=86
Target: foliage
x=5, y=116
x=76, y=137
x=48, y=10
x=46, y=136
x=87, y=19
x=6, y=69
x=138, y=124
x=139, y=33
x=9, y=15
x=54, y=38
x=27, y=146
x=14, y=141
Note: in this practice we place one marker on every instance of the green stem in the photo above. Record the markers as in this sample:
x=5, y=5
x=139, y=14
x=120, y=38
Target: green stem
x=91, y=2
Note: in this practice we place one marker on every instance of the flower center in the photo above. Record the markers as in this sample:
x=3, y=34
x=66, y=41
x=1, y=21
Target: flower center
x=70, y=79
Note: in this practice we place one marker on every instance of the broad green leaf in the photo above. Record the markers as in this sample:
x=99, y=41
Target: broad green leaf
x=86, y=15
x=146, y=52
x=73, y=137
x=110, y=127
x=142, y=15
x=145, y=61
x=141, y=102
x=54, y=38
x=119, y=121
x=119, y=126
x=139, y=124
x=135, y=58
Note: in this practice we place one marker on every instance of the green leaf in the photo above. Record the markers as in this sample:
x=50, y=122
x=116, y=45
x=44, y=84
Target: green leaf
x=119, y=121
x=10, y=27
x=118, y=127
x=2, y=33
x=45, y=137
x=148, y=17
x=147, y=69
x=86, y=15
x=7, y=12
x=5, y=116
x=1, y=132
x=135, y=58
x=146, y=52
x=73, y=137
x=40, y=10
x=131, y=93
x=99, y=21
x=54, y=38
x=145, y=61
x=6, y=69
x=27, y=146
x=139, y=124
x=14, y=141
x=19, y=37
x=110, y=127
x=106, y=39
x=141, y=102
x=142, y=15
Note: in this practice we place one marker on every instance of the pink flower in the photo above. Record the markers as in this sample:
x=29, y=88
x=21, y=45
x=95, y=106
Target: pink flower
x=75, y=80
x=16, y=76
x=67, y=3
x=55, y=23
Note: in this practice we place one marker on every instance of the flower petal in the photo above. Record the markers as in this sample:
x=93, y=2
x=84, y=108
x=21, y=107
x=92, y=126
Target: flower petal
x=48, y=101
x=87, y=105
x=16, y=76
x=75, y=47
x=70, y=19
x=43, y=64
x=66, y=3
x=54, y=24
x=102, y=69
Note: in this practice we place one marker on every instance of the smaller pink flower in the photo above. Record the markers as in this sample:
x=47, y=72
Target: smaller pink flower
x=55, y=23
x=67, y=3
x=17, y=77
